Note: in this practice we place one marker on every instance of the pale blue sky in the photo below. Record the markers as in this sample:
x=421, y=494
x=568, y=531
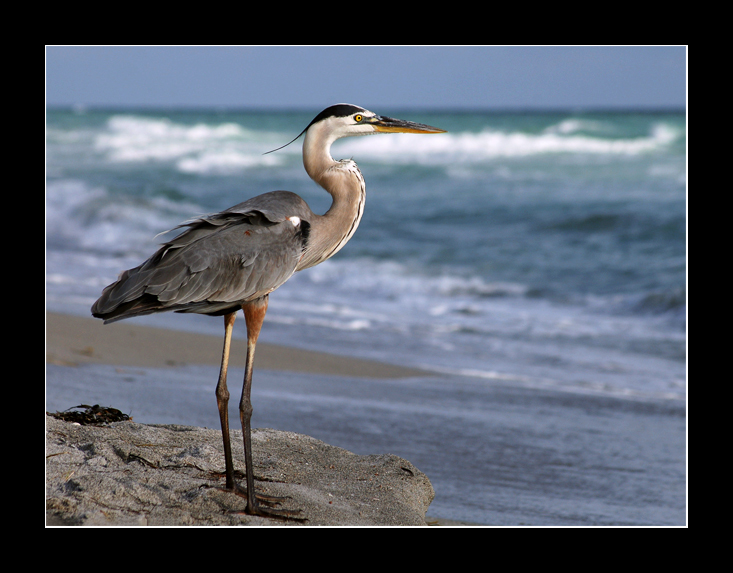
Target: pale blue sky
x=387, y=77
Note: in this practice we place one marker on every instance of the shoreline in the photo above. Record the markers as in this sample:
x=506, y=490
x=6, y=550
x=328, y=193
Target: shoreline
x=73, y=340
x=506, y=455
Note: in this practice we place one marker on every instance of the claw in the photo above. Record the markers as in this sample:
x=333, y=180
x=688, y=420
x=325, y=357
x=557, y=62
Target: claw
x=266, y=509
x=277, y=513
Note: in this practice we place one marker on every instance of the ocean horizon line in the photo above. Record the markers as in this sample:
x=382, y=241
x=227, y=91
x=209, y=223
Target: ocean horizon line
x=264, y=109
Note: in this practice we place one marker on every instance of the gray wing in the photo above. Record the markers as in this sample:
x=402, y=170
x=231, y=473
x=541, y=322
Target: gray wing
x=219, y=262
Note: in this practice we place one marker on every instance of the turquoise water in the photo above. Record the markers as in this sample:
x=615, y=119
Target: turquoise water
x=540, y=249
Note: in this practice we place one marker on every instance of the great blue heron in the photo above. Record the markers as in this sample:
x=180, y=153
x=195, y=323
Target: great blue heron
x=234, y=259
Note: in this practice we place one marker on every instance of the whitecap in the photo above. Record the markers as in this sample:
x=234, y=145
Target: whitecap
x=490, y=143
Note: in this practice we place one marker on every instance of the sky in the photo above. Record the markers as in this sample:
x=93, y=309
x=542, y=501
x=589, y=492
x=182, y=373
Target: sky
x=419, y=77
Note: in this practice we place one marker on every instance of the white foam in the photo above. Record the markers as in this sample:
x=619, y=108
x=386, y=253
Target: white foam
x=89, y=218
x=489, y=144
x=229, y=148
x=204, y=149
x=224, y=162
x=572, y=125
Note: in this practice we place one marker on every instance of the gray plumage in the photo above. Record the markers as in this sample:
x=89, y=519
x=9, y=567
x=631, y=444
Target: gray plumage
x=218, y=263
x=234, y=259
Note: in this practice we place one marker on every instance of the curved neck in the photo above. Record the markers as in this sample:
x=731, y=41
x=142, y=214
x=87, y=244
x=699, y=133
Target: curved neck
x=345, y=183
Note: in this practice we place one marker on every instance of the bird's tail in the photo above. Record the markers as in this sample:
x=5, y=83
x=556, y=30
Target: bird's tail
x=126, y=298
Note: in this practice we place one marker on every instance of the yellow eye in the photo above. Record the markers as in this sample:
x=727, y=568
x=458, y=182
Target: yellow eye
x=358, y=118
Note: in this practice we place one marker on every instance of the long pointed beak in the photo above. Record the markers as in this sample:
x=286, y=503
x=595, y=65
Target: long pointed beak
x=384, y=124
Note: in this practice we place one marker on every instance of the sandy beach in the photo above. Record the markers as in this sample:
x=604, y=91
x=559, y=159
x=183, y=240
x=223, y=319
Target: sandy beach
x=496, y=454
x=73, y=340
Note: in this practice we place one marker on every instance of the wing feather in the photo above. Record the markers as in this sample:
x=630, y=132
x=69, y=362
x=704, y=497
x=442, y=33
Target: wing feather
x=219, y=262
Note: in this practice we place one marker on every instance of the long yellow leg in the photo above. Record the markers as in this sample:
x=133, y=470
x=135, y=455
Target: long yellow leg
x=222, y=399
x=254, y=315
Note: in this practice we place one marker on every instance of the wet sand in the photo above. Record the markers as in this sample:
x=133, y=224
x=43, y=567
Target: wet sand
x=73, y=340
x=496, y=454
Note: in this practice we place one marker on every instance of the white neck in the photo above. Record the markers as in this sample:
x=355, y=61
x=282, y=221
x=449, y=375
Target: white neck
x=345, y=183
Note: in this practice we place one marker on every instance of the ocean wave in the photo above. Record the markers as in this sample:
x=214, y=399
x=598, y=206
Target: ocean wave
x=369, y=295
x=201, y=148
x=490, y=144
x=660, y=302
x=229, y=148
x=392, y=279
x=574, y=125
x=85, y=217
x=224, y=162
x=565, y=266
x=132, y=138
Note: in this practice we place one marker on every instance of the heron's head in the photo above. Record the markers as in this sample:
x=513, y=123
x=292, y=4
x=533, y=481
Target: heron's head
x=345, y=120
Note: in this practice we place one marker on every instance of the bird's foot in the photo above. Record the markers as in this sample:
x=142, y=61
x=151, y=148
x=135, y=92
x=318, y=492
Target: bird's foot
x=264, y=511
x=260, y=497
x=263, y=505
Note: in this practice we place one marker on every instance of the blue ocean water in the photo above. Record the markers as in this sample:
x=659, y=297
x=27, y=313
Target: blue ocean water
x=538, y=249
